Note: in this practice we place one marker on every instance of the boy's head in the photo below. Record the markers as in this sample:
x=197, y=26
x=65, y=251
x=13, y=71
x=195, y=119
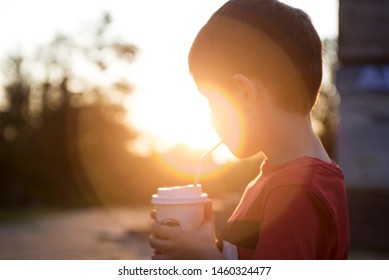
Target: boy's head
x=263, y=41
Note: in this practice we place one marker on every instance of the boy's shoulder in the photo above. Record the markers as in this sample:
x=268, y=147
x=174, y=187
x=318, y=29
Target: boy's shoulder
x=306, y=180
x=306, y=172
x=310, y=179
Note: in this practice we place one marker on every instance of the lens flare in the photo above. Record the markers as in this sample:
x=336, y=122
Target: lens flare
x=183, y=166
x=228, y=117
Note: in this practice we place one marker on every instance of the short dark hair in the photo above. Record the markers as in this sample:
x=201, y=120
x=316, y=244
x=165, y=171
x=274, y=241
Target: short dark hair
x=266, y=39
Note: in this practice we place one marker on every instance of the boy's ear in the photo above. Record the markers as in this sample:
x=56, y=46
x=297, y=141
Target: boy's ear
x=246, y=89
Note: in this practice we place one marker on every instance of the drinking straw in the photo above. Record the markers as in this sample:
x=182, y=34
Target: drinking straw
x=199, y=167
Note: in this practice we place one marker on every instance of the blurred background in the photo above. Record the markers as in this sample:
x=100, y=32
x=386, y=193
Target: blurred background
x=98, y=110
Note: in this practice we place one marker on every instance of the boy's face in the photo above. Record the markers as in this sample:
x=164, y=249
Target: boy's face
x=226, y=116
x=235, y=121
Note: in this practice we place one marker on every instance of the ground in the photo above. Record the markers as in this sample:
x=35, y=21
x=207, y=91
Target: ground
x=81, y=234
x=94, y=234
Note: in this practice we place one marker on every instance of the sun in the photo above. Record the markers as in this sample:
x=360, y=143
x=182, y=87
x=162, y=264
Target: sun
x=173, y=113
x=181, y=115
x=166, y=107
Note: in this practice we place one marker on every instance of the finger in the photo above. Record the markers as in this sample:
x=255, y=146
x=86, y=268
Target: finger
x=160, y=257
x=153, y=214
x=159, y=245
x=170, y=223
x=156, y=252
x=207, y=226
x=208, y=211
x=164, y=231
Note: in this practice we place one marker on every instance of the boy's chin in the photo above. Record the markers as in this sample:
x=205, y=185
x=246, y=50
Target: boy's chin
x=243, y=152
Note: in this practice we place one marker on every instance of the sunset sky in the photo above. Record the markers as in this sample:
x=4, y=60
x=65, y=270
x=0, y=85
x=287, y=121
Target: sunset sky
x=165, y=106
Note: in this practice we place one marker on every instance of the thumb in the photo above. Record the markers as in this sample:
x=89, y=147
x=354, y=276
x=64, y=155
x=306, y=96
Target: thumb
x=153, y=214
x=208, y=211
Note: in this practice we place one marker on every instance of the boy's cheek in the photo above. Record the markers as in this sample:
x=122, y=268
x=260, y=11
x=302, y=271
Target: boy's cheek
x=230, y=128
x=239, y=132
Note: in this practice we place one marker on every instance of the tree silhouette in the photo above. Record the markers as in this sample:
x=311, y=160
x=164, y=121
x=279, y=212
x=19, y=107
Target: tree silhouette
x=325, y=112
x=63, y=139
x=59, y=118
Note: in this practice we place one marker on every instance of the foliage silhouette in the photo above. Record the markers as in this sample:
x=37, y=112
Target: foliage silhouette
x=64, y=141
x=43, y=128
x=325, y=112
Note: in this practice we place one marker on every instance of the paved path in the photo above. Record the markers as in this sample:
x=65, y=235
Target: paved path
x=80, y=234
x=93, y=234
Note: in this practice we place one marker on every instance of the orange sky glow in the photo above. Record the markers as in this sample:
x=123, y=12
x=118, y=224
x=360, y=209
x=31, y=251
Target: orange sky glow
x=165, y=105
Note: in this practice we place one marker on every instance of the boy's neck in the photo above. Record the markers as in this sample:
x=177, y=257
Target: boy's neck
x=295, y=139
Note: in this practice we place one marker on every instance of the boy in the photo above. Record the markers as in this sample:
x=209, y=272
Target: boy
x=259, y=63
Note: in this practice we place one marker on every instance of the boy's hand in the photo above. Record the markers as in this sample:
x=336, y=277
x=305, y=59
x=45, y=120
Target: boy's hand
x=171, y=242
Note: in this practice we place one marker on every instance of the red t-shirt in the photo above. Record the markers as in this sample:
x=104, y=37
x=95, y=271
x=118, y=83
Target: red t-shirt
x=296, y=210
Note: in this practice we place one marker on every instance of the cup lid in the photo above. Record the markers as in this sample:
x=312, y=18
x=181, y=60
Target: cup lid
x=179, y=195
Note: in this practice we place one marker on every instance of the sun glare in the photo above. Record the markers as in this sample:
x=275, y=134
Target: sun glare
x=166, y=107
x=174, y=113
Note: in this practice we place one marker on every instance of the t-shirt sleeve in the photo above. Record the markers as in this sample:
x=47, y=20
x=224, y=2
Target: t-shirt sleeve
x=295, y=225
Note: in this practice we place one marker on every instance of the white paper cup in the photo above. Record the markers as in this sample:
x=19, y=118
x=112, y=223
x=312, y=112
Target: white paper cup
x=182, y=204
